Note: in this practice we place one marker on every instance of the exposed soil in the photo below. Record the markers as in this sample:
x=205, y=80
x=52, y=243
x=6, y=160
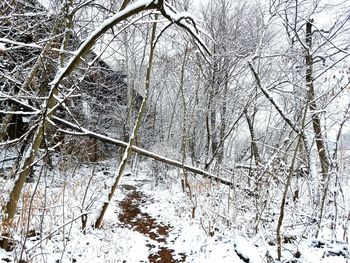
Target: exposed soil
x=132, y=217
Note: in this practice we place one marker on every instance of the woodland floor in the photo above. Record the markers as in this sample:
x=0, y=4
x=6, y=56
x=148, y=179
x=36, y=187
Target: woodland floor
x=150, y=220
x=132, y=217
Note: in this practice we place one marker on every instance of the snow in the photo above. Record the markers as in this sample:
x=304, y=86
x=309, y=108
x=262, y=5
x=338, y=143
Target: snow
x=247, y=250
x=108, y=23
x=192, y=29
x=45, y=3
x=118, y=245
x=2, y=47
x=5, y=40
x=164, y=201
x=181, y=15
x=58, y=205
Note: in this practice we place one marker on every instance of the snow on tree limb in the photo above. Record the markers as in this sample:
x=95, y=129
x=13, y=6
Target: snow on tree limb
x=84, y=132
x=130, y=10
x=181, y=19
x=80, y=131
x=20, y=44
x=273, y=102
x=86, y=46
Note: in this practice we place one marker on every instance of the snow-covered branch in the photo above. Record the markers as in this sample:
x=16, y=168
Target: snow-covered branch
x=270, y=98
x=129, y=11
x=84, y=132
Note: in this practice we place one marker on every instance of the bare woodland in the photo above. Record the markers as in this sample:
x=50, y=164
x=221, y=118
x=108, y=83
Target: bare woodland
x=246, y=103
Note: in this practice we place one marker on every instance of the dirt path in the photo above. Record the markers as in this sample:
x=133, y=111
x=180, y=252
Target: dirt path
x=132, y=217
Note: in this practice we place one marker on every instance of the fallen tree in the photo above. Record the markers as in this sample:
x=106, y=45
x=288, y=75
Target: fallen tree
x=80, y=131
x=51, y=103
x=77, y=130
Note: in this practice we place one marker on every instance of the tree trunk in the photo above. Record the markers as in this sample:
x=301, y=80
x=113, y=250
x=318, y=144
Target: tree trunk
x=316, y=123
x=254, y=146
x=132, y=140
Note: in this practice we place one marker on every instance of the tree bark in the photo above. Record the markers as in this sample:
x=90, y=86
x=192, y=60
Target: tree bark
x=254, y=146
x=51, y=102
x=316, y=123
x=132, y=140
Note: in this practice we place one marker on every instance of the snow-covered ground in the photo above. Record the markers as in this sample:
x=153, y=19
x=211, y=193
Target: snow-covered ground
x=55, y=233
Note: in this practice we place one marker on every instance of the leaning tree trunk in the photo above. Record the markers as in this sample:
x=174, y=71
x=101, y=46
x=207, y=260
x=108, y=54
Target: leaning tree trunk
x=25, y=167
x=132, y=140
x=51, y=103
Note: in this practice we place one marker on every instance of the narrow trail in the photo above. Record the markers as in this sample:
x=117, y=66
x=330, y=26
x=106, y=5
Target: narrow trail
x=132, y=217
